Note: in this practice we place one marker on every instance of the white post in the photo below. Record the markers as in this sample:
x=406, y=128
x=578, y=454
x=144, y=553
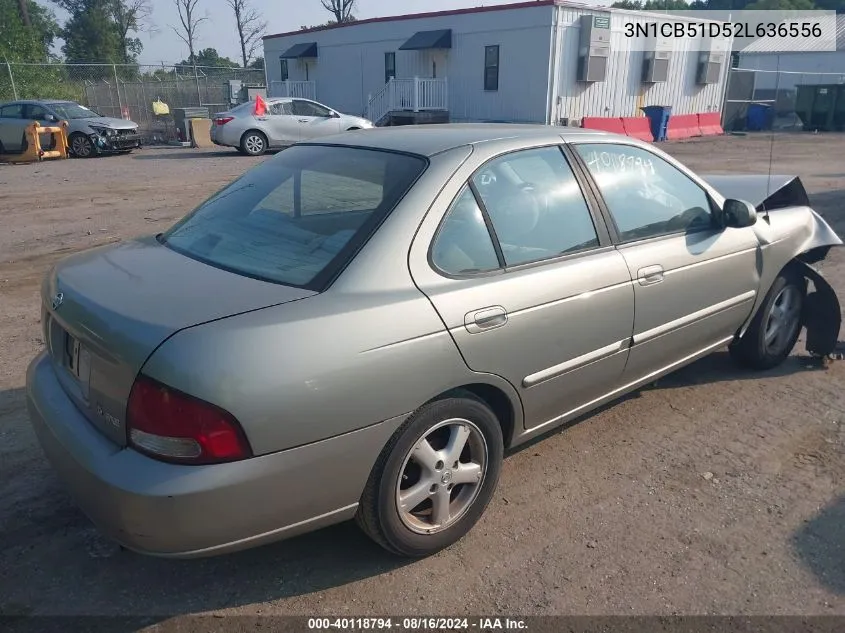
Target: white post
x=416, y=94
x=12, y=79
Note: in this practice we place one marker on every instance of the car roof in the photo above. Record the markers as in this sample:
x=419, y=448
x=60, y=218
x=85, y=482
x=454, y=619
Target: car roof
x=428, y=140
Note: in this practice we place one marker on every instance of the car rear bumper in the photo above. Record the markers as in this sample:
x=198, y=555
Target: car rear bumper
x=191, y=511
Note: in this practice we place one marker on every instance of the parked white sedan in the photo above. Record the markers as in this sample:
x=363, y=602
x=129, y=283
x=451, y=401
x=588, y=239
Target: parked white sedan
x=285, y=122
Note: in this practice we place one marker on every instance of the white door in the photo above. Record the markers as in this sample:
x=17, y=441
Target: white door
x=282, y=127
x=314, y=119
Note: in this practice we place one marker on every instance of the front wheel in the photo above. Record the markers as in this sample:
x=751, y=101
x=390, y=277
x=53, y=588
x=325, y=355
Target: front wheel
x=776, y=326
x=434, y=478
x=253, y=143
x=81, y=146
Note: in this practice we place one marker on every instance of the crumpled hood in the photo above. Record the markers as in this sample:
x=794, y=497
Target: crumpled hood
x=110, y=122
x=763, y=191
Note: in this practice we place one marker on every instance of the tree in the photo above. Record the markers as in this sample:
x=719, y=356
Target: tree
x=23, y=10
x=21, y=42
x=190, y=23
x=90, y=34
x=250, y=28
x=258, y=63
x=131, y=16
x=211, y=58
x=781, y=5
x=653, y=5
x=340, y=9
x=104, y=30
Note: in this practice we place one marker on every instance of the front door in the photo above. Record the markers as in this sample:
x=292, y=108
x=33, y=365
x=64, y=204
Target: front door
x=695, y=283
x=525, y=279
x=314, y=119
x=282, y=127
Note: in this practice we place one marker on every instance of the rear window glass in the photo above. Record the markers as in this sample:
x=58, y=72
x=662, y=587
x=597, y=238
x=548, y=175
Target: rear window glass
x=299, y=217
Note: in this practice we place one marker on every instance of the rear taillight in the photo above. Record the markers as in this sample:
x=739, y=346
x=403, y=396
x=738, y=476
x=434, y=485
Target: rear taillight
x=170, y=425
x=223, y=120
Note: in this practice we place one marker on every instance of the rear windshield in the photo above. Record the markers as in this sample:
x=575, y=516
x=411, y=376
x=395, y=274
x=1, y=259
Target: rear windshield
x=297, y=218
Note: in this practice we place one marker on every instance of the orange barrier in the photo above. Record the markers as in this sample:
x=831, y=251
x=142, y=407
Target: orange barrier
x=710, y=123
x=638, y=127
x=607, y=124
x=682, y=126
x=34, y=151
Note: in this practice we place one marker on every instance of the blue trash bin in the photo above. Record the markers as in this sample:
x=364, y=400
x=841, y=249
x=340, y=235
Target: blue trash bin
x=758, y=117
x=658, y=117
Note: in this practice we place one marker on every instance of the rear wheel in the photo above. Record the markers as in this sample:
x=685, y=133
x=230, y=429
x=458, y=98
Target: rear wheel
x=776, y=326
x=435, y=477
x=253, y=143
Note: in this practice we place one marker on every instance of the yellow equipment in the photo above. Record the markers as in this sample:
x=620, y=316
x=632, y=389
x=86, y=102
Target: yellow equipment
x=34, y=151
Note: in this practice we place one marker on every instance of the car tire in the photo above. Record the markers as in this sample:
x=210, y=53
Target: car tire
x=253, y=143
x=417, y=467
x=80, y=145
x=776, y=326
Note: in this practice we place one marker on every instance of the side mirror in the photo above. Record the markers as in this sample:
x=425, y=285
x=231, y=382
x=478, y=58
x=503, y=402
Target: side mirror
x=334, y=115
x=739, y=214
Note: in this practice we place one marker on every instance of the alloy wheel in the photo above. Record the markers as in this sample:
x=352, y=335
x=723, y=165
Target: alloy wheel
x=81, y=146
x=254, y=144
x=441, y=476
x=783, y=319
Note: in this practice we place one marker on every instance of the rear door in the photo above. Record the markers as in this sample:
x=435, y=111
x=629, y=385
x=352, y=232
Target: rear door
x=523, y=275
x=314, y=119
x=12, y=125
x=695, y=283
x=282, y=127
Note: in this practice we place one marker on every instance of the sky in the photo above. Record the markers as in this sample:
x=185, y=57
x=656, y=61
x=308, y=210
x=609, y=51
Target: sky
x=164, y=46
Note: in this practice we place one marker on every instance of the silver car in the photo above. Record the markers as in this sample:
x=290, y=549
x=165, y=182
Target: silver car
x=360, y=327
x=89, y=133
x=285, y=122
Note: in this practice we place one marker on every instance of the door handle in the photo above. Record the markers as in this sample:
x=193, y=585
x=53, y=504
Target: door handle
x=485, y=319
x=303, y=120
x=650, y=275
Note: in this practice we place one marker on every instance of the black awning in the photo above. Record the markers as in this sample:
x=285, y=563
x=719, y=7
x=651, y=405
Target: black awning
x=306, y=49
x=422, y=40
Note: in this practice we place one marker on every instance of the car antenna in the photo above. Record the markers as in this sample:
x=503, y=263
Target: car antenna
x=772, y=140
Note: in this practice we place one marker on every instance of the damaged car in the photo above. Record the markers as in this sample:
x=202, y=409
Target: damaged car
x=89, y=133
x=360, y=326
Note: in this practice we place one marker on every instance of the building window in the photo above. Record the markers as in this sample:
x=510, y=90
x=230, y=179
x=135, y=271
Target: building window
x=491, y=67
x=284, y=63
x=389, y=66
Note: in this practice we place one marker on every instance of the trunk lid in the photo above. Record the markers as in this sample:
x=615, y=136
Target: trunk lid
x=106, y=310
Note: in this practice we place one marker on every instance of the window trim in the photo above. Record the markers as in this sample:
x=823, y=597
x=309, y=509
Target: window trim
x=387, y=69
x=497, y=66
x=605, y=240
x=615, y=234
x=466, y=187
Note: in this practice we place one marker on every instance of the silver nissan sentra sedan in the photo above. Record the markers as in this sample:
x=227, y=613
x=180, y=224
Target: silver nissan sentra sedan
x=359, y=327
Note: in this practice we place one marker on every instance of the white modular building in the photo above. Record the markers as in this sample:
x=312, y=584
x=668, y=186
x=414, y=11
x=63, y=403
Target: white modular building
x=547, y=61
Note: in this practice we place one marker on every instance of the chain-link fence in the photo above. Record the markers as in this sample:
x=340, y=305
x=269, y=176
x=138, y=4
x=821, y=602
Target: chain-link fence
x=128, y=91
x=758, y=100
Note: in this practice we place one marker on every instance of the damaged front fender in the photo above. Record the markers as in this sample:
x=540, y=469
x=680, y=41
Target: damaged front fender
x=822, y=314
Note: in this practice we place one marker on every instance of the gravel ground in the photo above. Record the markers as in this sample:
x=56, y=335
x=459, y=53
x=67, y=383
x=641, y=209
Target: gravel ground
x=716, y=491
